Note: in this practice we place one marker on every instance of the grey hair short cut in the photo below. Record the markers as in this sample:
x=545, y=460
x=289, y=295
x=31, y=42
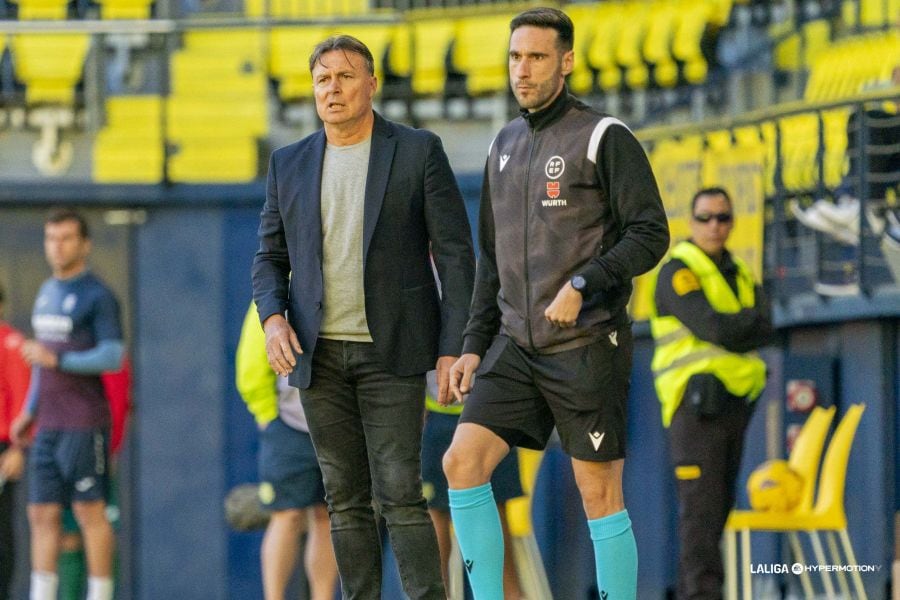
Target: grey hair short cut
x=345, y=43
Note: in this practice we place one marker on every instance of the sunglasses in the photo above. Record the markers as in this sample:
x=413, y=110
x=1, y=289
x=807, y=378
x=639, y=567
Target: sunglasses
x=720, y=217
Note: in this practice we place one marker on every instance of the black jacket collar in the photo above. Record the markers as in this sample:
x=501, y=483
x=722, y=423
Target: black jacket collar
x=551, y=113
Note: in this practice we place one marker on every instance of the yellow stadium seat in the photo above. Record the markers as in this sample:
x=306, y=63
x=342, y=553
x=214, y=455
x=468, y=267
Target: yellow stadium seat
x=130, y=149
x=827, y=514
x=794, y=53
x=211, y=74
x=351, y=7
x=584, y=17
x=214, y=160
x=804, y=460
x=872, y=13
x=431, y=40
x=51, y=10
x=218, y=105
x=718, y=140
x=853, y=65
x=769, y=133
x=481, y=52
x=138, y=115
x=693, y=17
x=188, y=117
x=400, y=58
x=720, y=12
x=304, y=9
x=747, y=136
x=634, y=26
x=799, y=145
x=250, y=41
x=49, y=65
x=289, y=51
x=125, y=9
x=378, y=38
x=835, y=160
x=658, y=43
x=602, y=53
x=121, y=158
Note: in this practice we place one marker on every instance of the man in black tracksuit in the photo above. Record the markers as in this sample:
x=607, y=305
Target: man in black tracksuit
x=570, y=213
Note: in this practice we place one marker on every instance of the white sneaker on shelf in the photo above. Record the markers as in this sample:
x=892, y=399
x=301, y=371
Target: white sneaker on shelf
x=826, y=217
x=836, y=289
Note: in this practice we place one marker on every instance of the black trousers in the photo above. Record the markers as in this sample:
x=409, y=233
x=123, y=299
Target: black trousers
x=714, y=445
x=7, y=548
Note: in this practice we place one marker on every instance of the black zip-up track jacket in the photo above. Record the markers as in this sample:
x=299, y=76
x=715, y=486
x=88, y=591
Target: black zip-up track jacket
x=567, y=191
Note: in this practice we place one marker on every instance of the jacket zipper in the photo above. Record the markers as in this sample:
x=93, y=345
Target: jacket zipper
x=527, y=205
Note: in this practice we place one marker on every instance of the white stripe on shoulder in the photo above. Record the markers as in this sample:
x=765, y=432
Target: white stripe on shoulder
x=491, y=147
x=597, y=136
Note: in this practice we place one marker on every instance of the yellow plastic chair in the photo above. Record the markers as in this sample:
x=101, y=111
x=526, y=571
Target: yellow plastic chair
x=289, y=50
x=693, y=18
x=835, y=161
x=584, y=16
x=125, y=9
x=875, y=13
x=129, y=149
x=799, y=146
x=658, y=43
x=50, y=10
x=431, y=40
x=227, y=159
x=602, y=51
x=481, y=52
x=49, y=64
x=631, y=39
x=827, y=514
x=804, y=460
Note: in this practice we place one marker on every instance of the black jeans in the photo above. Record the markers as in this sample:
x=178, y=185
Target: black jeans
x=714, y=444
x=366, y=425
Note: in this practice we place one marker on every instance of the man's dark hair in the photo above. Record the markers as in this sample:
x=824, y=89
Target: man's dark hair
x=61, y=215
x=548, y=18
x=345, y=43
x=710, y=191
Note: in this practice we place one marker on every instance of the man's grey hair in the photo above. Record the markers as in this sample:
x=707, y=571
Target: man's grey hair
x=345, y=43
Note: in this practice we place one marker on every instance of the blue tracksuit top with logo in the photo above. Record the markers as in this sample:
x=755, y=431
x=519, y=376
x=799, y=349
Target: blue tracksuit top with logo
x=73, y=315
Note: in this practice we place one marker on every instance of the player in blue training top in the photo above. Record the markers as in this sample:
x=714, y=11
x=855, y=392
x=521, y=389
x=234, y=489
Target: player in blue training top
x=78, y=336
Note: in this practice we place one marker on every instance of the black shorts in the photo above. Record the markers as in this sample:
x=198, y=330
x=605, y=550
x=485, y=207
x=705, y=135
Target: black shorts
x=520, y=396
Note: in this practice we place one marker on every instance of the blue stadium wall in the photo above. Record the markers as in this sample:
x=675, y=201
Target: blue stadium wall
x=186, y=275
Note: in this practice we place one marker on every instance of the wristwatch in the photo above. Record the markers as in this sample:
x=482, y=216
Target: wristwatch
x=578, y=283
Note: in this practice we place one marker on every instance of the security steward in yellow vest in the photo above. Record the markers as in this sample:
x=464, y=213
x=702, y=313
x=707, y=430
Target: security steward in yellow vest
x=707, y=319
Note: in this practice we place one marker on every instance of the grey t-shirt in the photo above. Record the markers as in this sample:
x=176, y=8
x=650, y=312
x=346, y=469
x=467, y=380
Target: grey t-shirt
x=344, y=173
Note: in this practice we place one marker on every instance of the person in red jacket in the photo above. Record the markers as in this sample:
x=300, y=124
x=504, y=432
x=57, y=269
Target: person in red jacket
x=15, y=375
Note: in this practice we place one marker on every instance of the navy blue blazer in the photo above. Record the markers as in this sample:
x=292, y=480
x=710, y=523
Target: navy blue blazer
x=412, y=207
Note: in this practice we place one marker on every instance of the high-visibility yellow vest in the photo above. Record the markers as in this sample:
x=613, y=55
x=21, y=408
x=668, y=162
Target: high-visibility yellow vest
x=680, y=354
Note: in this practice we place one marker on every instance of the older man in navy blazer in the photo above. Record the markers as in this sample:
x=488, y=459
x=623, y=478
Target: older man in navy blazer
x=344, y=285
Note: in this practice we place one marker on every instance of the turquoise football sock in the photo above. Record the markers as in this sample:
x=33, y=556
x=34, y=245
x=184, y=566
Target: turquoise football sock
x=615, y=554
x=477, y=525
